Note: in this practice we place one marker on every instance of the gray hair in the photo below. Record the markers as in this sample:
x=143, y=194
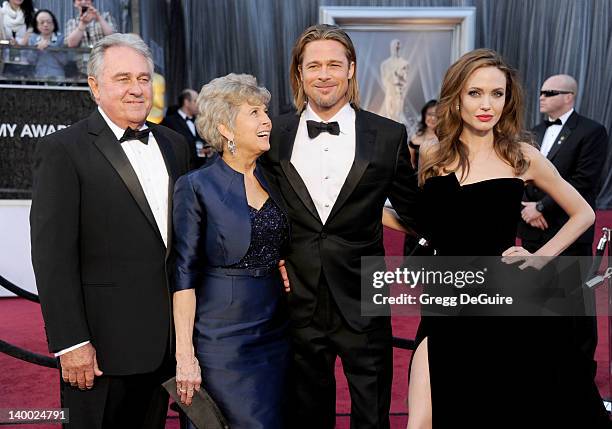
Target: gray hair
x=96, y=57
x=219, y=102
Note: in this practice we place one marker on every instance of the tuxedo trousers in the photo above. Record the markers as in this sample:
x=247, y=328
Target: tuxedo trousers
x=367, y=361
x=117, y=402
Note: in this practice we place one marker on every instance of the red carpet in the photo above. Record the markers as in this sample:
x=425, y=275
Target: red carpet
x=23, y=385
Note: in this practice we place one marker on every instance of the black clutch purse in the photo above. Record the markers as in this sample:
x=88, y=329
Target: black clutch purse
x=203, y=412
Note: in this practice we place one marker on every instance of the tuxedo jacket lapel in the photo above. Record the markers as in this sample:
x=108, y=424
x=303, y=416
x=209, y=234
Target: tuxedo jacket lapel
x=539, y=134
x=566, y=131
x=364, y=147
x=293, y=177
x=270, y=190
x=183, y=124
x=107, y=143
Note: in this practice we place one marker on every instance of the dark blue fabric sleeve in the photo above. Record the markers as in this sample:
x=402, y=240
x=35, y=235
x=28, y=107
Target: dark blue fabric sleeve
x=189, y=218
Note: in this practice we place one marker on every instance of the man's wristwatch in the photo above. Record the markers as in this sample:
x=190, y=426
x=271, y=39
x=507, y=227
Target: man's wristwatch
x=539, y=206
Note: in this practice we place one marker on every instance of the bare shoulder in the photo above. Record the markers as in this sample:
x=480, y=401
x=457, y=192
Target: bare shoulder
x=529, y=150
x=416, y=139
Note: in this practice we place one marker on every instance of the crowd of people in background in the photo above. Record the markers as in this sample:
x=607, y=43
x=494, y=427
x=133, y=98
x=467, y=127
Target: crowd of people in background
x=21, y=24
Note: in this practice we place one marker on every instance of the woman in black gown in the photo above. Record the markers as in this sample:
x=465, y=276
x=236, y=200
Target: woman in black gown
x=493, y=372
x=425, y=131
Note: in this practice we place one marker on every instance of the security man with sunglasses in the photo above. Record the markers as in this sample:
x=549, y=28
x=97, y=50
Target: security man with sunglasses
x=577, y=147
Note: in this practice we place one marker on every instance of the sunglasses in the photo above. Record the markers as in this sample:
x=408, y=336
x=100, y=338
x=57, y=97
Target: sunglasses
x=553, y=92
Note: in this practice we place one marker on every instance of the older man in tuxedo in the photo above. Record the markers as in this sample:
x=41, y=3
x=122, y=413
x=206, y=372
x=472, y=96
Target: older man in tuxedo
x=335, y=165
x=101, y=234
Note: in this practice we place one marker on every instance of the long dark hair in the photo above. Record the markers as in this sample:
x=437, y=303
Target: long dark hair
x=55, y=24
x=27, y=7
x=422, y=124
x=508, y=133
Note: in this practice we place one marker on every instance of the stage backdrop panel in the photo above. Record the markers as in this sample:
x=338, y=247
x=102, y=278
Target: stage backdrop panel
x=28, y=113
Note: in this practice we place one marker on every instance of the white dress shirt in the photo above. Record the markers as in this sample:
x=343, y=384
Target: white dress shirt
x=190, y=124
x=150, y=168
x=552, y=132
x=324, y=162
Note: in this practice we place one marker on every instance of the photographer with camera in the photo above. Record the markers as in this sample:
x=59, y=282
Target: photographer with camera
x=90, y=27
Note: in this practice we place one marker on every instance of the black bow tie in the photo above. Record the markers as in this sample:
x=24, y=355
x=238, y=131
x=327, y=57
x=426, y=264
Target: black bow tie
x=555, y=122
x=130, y=134
x=189, y=118
x=315, y=128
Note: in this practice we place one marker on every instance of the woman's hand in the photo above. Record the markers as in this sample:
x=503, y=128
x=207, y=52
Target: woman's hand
x=283, y=272
x=516, y=254
x=42, y=44
x=188, y=377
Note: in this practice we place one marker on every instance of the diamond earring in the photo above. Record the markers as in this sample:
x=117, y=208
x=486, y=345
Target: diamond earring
x=231, y=146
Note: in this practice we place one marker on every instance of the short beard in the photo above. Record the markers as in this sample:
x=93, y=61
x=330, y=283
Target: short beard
x=327, y=102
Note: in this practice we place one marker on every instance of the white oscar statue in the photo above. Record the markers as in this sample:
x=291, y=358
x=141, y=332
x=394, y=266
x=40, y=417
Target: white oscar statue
x=394, y=78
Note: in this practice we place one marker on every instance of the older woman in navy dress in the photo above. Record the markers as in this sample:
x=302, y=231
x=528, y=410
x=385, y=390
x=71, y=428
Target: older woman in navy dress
x=229, y=231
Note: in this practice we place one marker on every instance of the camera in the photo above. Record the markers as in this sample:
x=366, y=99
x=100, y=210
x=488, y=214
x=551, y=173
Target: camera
x=84, y=9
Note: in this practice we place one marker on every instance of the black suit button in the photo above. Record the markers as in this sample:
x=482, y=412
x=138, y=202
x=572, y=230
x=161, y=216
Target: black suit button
x=323, y=235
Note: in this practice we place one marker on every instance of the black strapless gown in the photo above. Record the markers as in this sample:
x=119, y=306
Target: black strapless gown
x=498, y=372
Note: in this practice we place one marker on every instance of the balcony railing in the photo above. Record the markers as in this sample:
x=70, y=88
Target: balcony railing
x=52, y=66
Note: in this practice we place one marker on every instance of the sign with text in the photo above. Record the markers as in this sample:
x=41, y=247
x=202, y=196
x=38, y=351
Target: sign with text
x=26, y=115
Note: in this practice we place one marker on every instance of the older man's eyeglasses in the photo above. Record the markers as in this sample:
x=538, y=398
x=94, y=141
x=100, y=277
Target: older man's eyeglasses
x=554, y=92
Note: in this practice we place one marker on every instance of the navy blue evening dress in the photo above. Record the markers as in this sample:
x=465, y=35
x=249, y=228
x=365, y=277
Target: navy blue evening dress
x=229, y=252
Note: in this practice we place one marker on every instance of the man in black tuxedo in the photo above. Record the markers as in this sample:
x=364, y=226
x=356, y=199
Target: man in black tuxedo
x=101, y=234
x=335, y=165
x=577, y=147
x=183, y=122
